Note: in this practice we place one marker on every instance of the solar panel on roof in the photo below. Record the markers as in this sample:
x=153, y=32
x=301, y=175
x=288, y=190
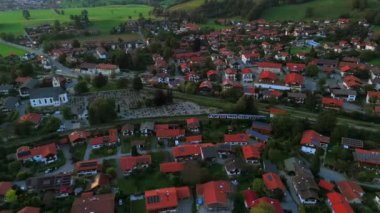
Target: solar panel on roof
x=270, y=177
x=153, y=199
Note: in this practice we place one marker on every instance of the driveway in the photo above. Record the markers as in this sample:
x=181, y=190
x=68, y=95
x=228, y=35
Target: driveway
x=290, y=194
x=185, y=206
x=69, y=165
x=331, y=175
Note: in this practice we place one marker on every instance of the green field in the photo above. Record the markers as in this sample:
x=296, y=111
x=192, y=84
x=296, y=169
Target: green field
x=322, y=9
x=102, y=18
x=189, y=5
x=296, y=50
x=6, y=50
x=375, y=61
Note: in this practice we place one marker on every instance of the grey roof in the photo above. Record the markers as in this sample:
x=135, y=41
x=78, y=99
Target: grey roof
x=147, y=125
x=46, y=92
x=343, y=92
x=10, y=103
x=234, y=164
x=209, y=152
x=5, y=87
x=30, y=84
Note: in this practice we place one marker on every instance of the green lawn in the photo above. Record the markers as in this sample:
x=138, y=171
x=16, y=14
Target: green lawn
x=375, y=61
x=295, y=50
x=102, y=18
x=6, y=50
x=138, y=206
x=103, y=152
x=188, y=5
x=322, y=9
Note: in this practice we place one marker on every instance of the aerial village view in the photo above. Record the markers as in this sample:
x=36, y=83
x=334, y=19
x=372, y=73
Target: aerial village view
x=190, y=106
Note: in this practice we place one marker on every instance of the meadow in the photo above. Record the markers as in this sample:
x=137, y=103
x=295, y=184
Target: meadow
x=6, y=50
x=323, y=9
x=102, y=18
x=189, y=5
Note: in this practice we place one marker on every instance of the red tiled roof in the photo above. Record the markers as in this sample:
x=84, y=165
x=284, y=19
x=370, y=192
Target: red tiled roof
x=352, y=81
x=249, y=197
x=246, y=71
x=127, y=163
x=111, y=138
x=106, y=66
x=230, y=71
x=295, y=67
x=343, y=208
x=277, y=111
x=311, y=137
x=190, y=121
x=269, y=65
x=4, y=187
x=273, y=202
x=171, y=167
x=273, y=181
x=350, y=190
x=21, y=80
x=102, y=203
x=267, y=75
x=335, y=198
x=294, y=79
x=326, y=185
x=345, y=68
x=29, y=210
x=169, y=133
x=251, y=152
x=87, y=165
x=32, y=117
x=373, y=94
x=333, y=102
x=194, y=138
x=211, y=72
x=205, y=84
x=165, y=198
x=214, y=192
x=239, y=137
x=78, y=135
x=188, y=150
x=44, y=150
x=338, y=203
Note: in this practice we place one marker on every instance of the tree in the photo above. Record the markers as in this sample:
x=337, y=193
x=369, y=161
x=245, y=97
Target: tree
x=159, y=98
x=122, y=83
x=23, y=128
x=111, y=171
x=315, y=163
x=309, y=12
x=258, y=186
x=66, y=112
x=263, y=208
x=75, y=43
x=57, y=26
x=10, y=196
x=26, y=69
x=312, y=70
x=99, y=81
x=137, y=83
x=245, y=105
x=326, y=122
x=193, y=173
x=81, y=87
x=102, y=111
x=26, y=14
x=51, y=124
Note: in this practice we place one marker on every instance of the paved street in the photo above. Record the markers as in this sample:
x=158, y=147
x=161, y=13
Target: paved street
x=331, y=175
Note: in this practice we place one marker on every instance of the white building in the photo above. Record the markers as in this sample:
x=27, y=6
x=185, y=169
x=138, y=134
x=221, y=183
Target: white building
x=48, y=96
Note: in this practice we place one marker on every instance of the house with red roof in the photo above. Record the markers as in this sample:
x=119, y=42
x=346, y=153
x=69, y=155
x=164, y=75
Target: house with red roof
x=295, y=81
x=373, y=97
x=128, y=164
x=269, y=80
x=240, y=139
x=352, y=191
x=273, y=182
x=128, y=129
x=247, y=75
x=262, y=127
x=344, y=70
x=367, y=157
x=351, y=82
x=269, y=66
x=295, y=67
x=4, y=188
x=107, y=69
x=34, y=118
x=249, y=198
x=78, y=137
x=192, y=76
x=212, y=75
x=334, y=103
x=230, y=74
x=311, y=140
x=338, y=203
x=214, y=195
x=205, y=87
x=273, y=202
x=252, y=154
x=165, y=199
x=193, y=124
x=87, y=167
x=326, y=185
x=194, y=139
x=188, y=151
x=107, y=140
x=168, y=131
x=276, y=112
x=88, y=202
x=29, y=209
x=171, y=167
x=42, y=154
